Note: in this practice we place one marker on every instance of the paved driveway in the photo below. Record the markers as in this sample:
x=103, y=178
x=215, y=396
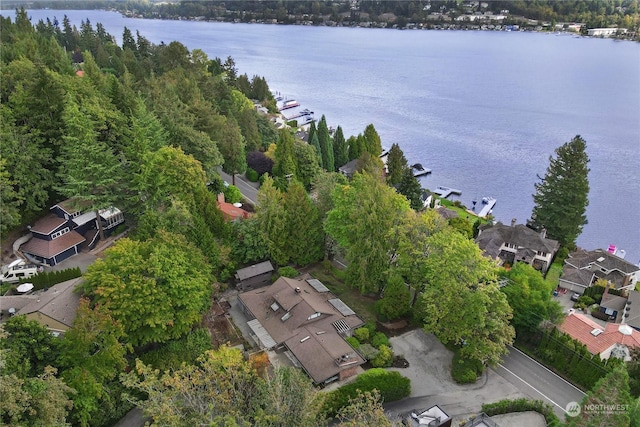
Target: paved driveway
x=431, y=383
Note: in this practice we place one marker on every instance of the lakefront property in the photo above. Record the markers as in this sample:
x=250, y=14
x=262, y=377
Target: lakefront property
x=333, y=300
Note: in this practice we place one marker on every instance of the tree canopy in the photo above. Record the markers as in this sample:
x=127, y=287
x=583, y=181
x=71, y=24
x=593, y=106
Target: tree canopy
x=561, y=197
x=156, y=289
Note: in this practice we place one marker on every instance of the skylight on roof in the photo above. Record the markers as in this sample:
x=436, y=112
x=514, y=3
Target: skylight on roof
x=275, y=306
x=600, y=259
x=596, y=332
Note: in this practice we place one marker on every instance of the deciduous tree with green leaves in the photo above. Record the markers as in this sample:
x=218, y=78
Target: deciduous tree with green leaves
x=461, y=303
x=156, y=289
x=562, y=196
x=91, y=357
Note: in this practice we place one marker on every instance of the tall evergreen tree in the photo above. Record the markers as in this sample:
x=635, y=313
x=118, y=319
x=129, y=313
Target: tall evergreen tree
x=314, y=142
x=285, y=162
x=356, y=146
x=372, y=142
x=340, y=149
x=561, y=197
x=326, y=145
x=410, y=188
x=305, y=234
x=271, y=217
x=396, y=165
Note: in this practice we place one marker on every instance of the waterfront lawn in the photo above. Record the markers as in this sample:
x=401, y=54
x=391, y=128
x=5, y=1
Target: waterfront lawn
x=462, y=211
x=363, y=305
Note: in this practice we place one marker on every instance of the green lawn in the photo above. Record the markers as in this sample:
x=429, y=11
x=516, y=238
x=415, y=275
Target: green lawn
x=462, y=212
x=362, y=305
x=553, y=275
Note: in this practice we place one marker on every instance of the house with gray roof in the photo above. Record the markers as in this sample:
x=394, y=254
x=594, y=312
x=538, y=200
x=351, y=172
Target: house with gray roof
x=54, y=308
x=254, y=276
x=517, y=243
x=582, y=269
x=302, y=317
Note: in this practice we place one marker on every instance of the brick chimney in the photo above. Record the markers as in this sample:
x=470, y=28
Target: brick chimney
x=543, y=232
x=220, y=197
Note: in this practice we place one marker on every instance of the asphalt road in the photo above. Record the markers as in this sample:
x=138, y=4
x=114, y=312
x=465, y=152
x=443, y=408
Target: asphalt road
x=248, y=189
x=537, y=381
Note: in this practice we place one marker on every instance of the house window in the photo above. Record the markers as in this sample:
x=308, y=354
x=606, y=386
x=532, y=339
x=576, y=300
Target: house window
x=313, y=316
x=114, y=220
x=75, y=214
x=542, y=254
x=60, y=233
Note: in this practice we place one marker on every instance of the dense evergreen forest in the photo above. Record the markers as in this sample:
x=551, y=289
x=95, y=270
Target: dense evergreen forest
x=592, y=13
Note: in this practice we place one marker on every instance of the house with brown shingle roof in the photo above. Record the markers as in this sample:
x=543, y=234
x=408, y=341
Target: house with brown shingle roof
x=60, y=234
x=582, y=269
x=613, y=339
x=303, y=317
x=517, y=243
x=230, y=211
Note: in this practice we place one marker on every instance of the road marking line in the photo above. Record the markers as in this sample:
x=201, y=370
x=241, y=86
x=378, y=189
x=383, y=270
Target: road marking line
x=541, y=365
x=541, y=393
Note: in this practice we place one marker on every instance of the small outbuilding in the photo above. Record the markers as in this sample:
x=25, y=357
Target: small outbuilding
x=253, y=277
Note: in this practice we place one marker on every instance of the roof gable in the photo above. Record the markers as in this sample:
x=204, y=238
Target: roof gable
x=59, y=302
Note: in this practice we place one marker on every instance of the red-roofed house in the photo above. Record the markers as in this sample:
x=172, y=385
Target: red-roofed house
x=230, y=211
x=614, y=339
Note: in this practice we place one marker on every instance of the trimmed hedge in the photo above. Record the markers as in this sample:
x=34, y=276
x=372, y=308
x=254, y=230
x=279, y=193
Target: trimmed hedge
x=391, y=385
x=522, y=405
x=465, y=371
x=48, y=279
x=353, y=341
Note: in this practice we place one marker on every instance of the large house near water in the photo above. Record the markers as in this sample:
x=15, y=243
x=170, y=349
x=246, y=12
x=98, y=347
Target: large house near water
x=302, y=317
x=517, y=243
x=583, y=268
x=60, y=234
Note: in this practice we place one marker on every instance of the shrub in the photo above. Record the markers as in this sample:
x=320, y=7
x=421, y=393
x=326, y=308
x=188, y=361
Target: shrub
x=289, y=272
x=252, y=175
x=379, y=339
x=174, y=353
x=522, y=405
x=259, y=162
x=232, y=194
x=353, y=342
x=362, y=334
x=120, y=229
x=384, y=357
x=391, y=385
x=368, y=351
x=465, y=371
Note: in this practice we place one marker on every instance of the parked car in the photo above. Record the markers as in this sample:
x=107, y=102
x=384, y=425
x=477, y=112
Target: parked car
x=575, y=297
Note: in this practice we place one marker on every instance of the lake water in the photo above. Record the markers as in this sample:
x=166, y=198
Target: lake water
x=483, y=110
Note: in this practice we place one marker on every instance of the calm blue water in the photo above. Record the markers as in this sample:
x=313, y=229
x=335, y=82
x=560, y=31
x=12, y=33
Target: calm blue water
x=483, y=110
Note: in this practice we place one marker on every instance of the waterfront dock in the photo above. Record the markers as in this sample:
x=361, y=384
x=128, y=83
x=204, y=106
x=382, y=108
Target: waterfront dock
x=486, y=206
x=419, y=173
x=445, y=192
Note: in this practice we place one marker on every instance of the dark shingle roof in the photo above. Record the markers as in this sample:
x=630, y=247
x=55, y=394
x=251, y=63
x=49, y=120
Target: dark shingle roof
x=254, y=270
x=491, y=239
